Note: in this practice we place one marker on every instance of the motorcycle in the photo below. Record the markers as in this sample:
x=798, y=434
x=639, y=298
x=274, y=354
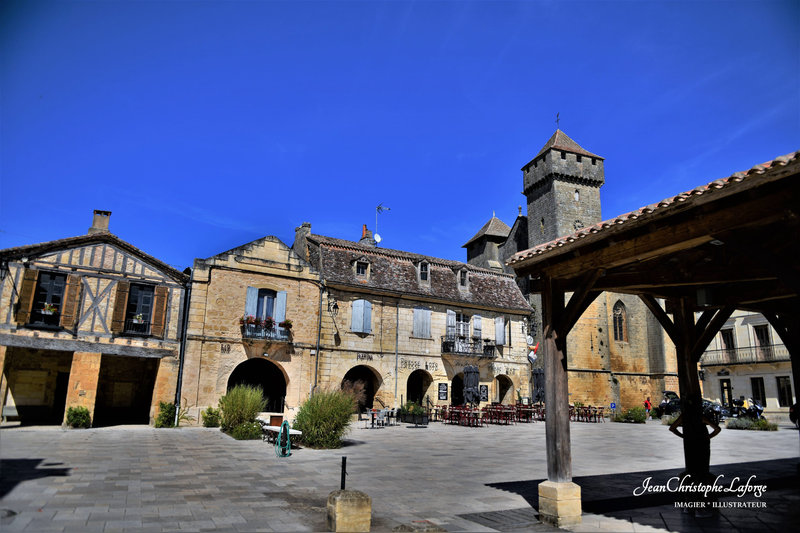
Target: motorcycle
x=747, y=409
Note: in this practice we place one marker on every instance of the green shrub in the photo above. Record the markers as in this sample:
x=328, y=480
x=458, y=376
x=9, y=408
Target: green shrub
x=635, y=415
x=746, y=423
x=241, y=404
x=210, y=417
x=247, y=431
x=166, y=415
x=324, y=418
x=78, y=417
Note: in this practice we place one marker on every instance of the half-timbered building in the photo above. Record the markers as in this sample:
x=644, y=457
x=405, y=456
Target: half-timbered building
x=88, y=321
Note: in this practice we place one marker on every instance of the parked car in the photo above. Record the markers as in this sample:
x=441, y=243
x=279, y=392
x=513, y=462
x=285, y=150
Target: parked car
x=670, y=404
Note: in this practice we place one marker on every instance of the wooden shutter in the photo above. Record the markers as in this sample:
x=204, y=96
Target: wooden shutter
x=357, y=318
x=120, y=307
x=499, y=330
x=26, y=293
x=159, y=321
x=418, y=321
x=367, y=324
x=70, y=310
x=451, y=323
x=476, y=327
x=280, y=310
x=251, y=304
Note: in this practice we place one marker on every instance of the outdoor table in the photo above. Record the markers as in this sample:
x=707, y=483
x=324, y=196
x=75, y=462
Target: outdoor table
x=271, y=432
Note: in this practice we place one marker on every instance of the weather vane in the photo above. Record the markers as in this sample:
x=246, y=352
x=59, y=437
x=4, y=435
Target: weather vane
x=380, y=209
x=557, y=119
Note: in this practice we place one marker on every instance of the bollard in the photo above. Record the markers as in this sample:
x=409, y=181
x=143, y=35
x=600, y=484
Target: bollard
x=344, y=471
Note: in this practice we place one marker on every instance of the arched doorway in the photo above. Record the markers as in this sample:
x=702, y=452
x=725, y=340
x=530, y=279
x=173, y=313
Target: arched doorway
x=371, y=381
x=264, y=374
x=505, y=389
x=457, y=390
x=417, y=386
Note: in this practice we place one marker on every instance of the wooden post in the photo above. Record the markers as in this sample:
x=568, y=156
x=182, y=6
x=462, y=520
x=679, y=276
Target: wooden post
x=559, y=455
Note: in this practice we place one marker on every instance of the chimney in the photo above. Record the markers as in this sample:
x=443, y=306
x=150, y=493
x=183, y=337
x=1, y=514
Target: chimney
x=100, y=222
x=300, y=246
x=366, y=237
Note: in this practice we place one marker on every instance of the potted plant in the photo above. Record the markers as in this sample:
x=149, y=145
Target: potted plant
x=268, y=322
x=286, y=324
x=48, y=309
x=138, y=318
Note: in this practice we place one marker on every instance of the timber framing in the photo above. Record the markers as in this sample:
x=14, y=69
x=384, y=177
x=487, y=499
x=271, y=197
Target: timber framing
x=731, y=244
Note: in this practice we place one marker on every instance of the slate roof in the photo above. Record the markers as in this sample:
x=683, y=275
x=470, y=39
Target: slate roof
x=493, y=228
x=30, y=250
x=697, y=195
x=562, y=141
x=394, y=272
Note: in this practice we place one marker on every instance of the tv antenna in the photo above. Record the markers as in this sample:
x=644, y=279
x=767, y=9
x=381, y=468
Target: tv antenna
x=380, y=209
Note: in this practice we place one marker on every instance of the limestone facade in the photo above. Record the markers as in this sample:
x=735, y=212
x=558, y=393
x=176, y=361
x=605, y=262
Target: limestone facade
x=88, y=321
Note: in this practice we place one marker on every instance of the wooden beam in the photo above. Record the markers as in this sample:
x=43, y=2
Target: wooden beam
x=580, y=300
x=661, y=316
x=707, y=331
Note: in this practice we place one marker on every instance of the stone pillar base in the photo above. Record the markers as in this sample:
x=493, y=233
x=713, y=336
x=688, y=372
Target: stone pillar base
x=559, y=503
x=349, y=510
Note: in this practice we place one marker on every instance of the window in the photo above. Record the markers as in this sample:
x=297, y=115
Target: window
x=763, y=344
x=422, y=323
x=138, y=313
x=500, y=330
x=476, y=327
x=47, y=299
x=265, y=304
x=563, y=155
x=579, y=158
x=423, y=272
x=462, y=278
x=726, y=394
x=462, y=325
x=361, y=319
x=727, y=338
x=361, y=268
x=784, y=391
x=577, y=195
x=757, y=384
x=262, y=304
x=620, y=323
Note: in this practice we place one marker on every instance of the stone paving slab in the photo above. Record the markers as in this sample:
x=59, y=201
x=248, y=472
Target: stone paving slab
x=137, y=478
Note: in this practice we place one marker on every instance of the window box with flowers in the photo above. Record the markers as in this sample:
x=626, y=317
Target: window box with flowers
x=48, y=309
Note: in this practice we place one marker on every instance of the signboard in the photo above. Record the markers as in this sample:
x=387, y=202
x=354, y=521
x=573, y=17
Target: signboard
x=484, y=393
x=613, y=405
x=442, y=391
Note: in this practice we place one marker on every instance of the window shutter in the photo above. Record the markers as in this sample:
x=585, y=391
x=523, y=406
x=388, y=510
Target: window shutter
x=451, y=323
x=476, y=327
x=120, y=306
x=159, y=321
x=280, y=309
x=367, y=324
x=357, y=318
x=422, y=322
x=27, y=290
x=251, y=304
x=499, y=330
x=70, y=310
x=427, y=324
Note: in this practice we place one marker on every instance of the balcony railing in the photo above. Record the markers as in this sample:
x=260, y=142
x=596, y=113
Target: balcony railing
x=138, y=327
x=253, y=331
x=465, y=346
x=751, y=354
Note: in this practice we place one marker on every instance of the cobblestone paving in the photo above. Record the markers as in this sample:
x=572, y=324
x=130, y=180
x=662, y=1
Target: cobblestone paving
x=136, y=478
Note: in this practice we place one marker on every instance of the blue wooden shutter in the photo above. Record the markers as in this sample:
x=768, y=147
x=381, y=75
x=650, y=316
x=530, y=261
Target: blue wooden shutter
x=280, y=309
x=499, y=330
x=476, y=327
x=357, y=318
x=451, y=323
x=251, y=304
x=426, y=323
x=367, y=324
x=422, y=322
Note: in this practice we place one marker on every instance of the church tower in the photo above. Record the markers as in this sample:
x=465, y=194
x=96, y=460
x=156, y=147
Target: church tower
x=562, y=185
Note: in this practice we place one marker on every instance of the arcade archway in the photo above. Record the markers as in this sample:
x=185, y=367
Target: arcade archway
x=418, y=385
x=505, y=389
x=264, y=374
x=457, y=389
x=371, y=380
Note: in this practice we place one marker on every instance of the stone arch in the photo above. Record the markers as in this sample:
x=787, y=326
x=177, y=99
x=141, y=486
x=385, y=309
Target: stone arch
x=504, y=389
x=418, y=386
x=457, y=389
x=372, y=382
x=270, y=376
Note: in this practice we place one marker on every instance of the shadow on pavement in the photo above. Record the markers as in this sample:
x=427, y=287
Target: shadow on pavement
x=15, y=471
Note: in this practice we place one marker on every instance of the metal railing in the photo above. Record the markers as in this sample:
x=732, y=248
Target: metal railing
x=141, y=327
x=465, y=346
x=750, y=354
x=275, y=333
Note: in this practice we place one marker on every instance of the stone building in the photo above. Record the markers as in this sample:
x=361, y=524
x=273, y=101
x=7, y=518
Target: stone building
x=88, y=321
x=404, y=324
x=617, y=351
x=230, y=340
x=747, y=358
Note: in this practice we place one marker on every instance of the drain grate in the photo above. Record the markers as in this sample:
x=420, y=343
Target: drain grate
x=510, y=520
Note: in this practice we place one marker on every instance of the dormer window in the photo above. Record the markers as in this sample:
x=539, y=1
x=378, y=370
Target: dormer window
x=463, y=279
x=361, y=269
x=424, y=275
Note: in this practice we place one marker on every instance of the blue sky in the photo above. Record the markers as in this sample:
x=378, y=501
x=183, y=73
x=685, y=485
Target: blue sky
x=205, y=125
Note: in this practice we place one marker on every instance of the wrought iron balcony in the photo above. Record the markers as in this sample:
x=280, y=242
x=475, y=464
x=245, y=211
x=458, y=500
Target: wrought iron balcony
x=771, y=353
x=259, y=332
x=464, y=346
x=137, y=326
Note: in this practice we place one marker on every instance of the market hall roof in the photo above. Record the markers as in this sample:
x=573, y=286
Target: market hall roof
x=396, y=272
x=493, y=228
x=734, y=238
